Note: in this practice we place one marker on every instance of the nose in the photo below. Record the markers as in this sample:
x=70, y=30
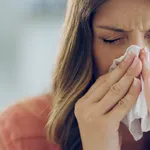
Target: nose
x=137, y=38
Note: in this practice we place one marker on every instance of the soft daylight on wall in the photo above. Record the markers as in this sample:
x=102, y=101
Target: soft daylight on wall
x=29, y=38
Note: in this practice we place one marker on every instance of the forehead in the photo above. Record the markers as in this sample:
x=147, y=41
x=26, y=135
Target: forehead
x=126, y=14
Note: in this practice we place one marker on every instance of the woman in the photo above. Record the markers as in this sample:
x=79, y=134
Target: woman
x=87, y=103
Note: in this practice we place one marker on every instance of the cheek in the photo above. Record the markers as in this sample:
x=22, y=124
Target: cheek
x=104, y=56
x=102, y=60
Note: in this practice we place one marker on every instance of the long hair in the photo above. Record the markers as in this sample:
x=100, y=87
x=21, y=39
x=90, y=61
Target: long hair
x=74, y=73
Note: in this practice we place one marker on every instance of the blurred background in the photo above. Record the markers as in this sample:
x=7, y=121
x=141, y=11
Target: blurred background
x=29, y=41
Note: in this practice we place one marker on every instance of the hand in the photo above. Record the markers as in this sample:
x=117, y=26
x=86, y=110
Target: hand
x=144, y=56
x=106, y=103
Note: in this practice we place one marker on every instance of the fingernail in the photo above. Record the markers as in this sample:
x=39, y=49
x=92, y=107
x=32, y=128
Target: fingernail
x=128, y=56
x=134, y=62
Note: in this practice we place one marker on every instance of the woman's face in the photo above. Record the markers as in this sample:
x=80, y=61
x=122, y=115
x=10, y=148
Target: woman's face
x=127, y=22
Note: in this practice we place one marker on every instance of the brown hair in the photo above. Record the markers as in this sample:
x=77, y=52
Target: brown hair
x=74, y=73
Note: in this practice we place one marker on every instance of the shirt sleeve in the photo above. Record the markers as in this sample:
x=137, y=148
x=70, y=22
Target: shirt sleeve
x=6, y=136
x=2, y=145
x=22, y=126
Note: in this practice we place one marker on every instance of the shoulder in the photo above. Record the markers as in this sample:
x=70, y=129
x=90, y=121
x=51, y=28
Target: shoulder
x=24, y=123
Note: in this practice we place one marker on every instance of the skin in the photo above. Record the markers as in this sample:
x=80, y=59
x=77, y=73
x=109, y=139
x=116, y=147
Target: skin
x=133, y=18
x=129, y=15
x=100, y=111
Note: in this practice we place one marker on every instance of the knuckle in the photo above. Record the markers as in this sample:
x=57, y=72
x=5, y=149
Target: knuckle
x=129, y=74
x=116, y=88
x=121, y=67
x=131, y=95
x=123, y=103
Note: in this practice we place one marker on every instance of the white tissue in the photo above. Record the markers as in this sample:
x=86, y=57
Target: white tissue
x=140, y=110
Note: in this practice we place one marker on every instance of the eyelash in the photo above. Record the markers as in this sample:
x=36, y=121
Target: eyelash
x=113, y=41
x=110, y=41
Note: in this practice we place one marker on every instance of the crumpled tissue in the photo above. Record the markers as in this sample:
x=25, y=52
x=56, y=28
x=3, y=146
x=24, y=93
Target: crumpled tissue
x=138, y=119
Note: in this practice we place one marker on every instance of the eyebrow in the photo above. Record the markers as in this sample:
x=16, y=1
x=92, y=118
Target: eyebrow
x=111, y=28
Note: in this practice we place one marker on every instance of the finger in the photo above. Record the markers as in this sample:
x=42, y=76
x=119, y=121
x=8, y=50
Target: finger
x=103, y=83
x=125, y=104
x=144, y=56
x=122, y=68
x=99, y=81
x=119, y=89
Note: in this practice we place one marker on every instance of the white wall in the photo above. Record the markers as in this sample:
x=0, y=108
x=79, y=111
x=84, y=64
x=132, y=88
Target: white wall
x=28, y=49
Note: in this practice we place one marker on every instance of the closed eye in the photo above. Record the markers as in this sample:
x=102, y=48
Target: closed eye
x=110, y=41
